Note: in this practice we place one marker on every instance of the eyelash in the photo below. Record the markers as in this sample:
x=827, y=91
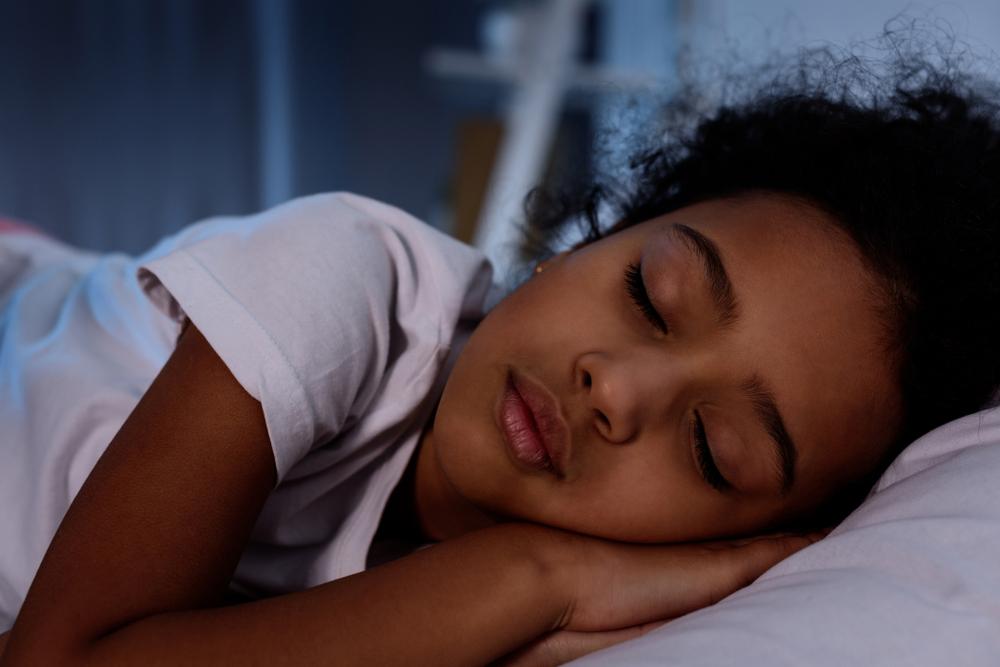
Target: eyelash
x=636, y=289
x=705, y=461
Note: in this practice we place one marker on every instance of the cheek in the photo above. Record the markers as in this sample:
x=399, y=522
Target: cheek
x=627, y=497
x=642, y=500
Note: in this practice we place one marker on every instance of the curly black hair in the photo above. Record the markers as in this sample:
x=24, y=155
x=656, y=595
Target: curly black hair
x=903, y=153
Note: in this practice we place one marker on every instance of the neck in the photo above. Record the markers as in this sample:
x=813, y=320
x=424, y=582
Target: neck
x=442, y=512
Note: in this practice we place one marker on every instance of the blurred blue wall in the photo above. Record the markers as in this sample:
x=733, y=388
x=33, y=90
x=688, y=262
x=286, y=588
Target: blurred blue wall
x=122, y=120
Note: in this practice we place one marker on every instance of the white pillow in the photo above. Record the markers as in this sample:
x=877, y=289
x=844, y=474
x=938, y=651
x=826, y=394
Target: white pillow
x=912, y=577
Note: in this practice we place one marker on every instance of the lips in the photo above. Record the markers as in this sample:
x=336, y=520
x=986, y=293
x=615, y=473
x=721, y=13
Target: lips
x=534, y=427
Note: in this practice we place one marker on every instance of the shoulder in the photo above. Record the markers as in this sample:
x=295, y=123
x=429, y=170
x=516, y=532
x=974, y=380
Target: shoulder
x=310, y=303
x=361, y=213
x=358, y=232
x=418, y=262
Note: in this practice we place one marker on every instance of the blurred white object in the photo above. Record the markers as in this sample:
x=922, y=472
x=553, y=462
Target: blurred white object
x=533, y=48
x=551, y=33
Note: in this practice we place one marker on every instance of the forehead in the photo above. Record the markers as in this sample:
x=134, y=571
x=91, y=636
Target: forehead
x=810, y=324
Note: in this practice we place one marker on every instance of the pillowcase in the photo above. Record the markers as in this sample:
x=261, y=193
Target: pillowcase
x=911, y=577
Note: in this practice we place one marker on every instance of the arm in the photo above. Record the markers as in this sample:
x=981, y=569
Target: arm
x=141, y=560
x=147, y=548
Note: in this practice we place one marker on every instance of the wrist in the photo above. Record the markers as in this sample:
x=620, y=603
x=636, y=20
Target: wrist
x=554, y=558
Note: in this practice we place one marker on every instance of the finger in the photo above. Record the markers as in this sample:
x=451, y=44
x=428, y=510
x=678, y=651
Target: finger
x=566, y=645
x=747, y=562
x=812, y=536
x=646, y=582
x=723, y=571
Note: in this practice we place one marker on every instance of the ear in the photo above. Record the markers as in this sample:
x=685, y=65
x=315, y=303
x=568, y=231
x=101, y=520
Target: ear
x=554, y=259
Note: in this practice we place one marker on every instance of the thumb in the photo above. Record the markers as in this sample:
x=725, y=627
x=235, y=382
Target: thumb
x=745, y=562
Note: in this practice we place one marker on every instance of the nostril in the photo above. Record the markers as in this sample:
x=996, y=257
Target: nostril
x=587, y=380
x=605, y=423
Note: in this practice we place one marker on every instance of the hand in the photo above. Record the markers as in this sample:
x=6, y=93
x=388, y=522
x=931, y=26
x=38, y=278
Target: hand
x=617, y=588
x=613, y=585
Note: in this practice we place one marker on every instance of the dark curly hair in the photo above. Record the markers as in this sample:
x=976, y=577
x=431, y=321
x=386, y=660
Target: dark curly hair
x=904, y=153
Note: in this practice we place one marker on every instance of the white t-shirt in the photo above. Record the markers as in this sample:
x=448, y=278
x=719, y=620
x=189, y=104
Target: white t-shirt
x=341, y=315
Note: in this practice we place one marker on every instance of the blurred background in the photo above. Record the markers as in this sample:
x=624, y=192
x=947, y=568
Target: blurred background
x=124, y=120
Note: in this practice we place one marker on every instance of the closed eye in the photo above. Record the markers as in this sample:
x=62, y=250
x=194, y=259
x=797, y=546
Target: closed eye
x=636, y=289
x=709, y=470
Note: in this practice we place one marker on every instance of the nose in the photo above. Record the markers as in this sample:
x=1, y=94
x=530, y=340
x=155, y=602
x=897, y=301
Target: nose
x=624, y=394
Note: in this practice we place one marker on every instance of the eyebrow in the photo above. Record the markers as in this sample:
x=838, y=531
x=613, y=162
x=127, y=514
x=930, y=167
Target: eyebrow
x=755, y=388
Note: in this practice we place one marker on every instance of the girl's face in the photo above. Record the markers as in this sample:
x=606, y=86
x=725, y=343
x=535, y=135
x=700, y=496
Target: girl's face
x=773, y=343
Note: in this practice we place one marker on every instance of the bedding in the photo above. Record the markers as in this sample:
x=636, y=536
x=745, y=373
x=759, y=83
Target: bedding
x=911, y=577
x=10, y=226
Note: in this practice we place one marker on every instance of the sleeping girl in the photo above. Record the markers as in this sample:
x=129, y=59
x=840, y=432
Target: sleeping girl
x=323, y=434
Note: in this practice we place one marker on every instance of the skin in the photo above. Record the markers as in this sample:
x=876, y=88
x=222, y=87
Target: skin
x=139, y=566
x=142, y=559
x=809, y=326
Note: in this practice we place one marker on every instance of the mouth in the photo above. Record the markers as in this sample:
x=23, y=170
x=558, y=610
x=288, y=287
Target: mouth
x=534, y=429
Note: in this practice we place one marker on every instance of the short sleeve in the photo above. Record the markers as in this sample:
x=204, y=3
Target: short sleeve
x=297, y=303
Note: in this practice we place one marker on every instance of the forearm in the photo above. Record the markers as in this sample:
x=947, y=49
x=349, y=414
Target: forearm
x=463, y=602
x=142, y=558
